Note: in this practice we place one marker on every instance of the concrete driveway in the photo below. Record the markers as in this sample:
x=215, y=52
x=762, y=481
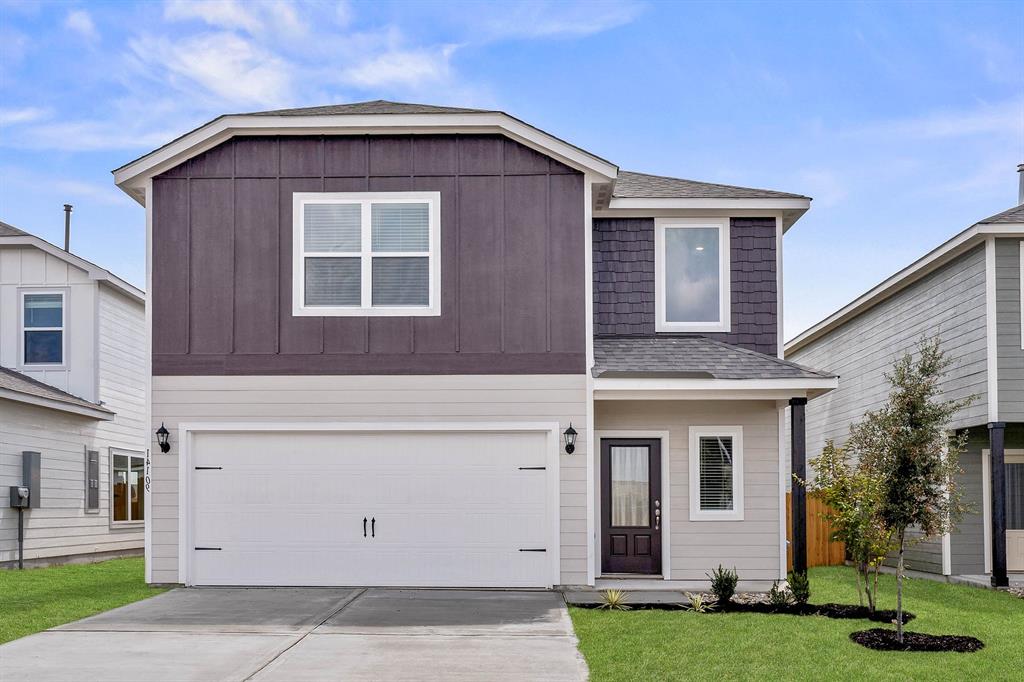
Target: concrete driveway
x=309, y=634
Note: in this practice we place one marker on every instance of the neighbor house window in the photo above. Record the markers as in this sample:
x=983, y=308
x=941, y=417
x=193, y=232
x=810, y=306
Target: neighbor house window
x=43, y=328
x=128, y=496
x=375, y=253
x=692, y=274
x=716, y=473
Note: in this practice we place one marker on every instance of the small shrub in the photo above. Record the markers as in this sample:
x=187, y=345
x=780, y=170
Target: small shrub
x=799, y=587
x=723, y=583
x=697, y=603
x=778, y=596
x=614, y=600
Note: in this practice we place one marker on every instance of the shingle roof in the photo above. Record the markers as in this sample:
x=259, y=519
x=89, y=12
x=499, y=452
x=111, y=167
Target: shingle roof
x=630, y=185
x=11, y=380
x=1014, y=215
x=378, y=106
x=10, y=231
x=691, y=357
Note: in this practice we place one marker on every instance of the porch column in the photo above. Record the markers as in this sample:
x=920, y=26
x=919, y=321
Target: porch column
x=798, y=505
x=996, y=432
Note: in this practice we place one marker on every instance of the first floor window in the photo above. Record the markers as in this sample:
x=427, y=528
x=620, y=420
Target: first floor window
x=127, y=489
x=692, y=275
x=374, y=253
x=43, y=328
x=716, y=473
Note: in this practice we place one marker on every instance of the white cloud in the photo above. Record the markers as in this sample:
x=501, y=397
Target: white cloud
x=22, y=115
x=823, y=185
x=90, y=135
x=233, y=70
x=547, y=19
x=228, y=14
x=409, y=68
x=81, y=23
x=343, y=13
x=1005, y=118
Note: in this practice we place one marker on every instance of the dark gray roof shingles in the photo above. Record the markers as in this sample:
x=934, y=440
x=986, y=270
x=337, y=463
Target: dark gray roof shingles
x=631, y=185
x=694, y=357
x=11, y=380
x=1014, y=215
x=378, y=106
x=7, y=230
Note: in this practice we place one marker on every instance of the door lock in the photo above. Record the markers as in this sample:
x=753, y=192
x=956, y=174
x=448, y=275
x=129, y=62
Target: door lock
x=657, y=514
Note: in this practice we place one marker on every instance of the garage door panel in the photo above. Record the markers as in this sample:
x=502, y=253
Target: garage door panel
x=449, y=509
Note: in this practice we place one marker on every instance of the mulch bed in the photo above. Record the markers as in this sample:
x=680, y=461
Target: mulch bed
x=881, y=639
x=841, y=611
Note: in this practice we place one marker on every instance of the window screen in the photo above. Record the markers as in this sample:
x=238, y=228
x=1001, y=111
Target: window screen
x=716, y=472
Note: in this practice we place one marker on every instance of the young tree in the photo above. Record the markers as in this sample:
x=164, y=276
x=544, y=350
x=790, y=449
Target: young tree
x=853, y=495
x=908, y=445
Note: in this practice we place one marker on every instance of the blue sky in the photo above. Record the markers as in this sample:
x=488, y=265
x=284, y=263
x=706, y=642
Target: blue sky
x=904, y=121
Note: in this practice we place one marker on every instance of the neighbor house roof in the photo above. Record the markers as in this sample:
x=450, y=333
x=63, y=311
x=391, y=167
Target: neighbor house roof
x=1009, y=223
x=21, y=388
x=12, y=236
x=690, y=357
x=642, y=185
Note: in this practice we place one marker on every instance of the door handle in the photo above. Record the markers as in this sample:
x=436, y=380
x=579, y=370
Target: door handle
x=364, y=526
x=373, y=528
x=657, y=514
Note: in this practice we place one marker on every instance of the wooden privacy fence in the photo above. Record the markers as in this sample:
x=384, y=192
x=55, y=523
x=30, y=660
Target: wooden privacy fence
x=820, y=550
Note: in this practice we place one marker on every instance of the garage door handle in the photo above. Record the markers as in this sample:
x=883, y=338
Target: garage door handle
x=364, y=526
x=373, y=528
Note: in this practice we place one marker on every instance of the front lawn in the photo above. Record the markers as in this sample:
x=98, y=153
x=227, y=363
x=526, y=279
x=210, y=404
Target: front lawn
x=675, y=645
x=40, y=598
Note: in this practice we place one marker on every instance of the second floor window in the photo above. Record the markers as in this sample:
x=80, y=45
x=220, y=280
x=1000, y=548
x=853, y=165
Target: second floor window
x=692, y=275
x=43, y=328
x=374, y=253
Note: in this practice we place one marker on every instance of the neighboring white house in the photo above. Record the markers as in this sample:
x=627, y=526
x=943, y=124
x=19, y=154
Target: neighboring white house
x=73, y=372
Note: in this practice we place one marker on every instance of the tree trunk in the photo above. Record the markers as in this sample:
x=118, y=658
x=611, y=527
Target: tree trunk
x=899, y=591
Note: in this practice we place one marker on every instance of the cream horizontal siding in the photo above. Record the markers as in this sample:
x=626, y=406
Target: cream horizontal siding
x=949, y=302
x=519, y=398
x=697, y=547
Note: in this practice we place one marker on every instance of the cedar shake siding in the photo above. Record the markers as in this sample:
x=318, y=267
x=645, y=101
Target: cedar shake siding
x=624, y=281
x=512, y=247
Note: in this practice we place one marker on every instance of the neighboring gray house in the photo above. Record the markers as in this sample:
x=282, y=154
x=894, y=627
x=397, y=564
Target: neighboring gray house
x=73, y=373
x=968, y=292
x=373, y=325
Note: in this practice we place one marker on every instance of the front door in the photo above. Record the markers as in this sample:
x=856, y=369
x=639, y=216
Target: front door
x=631, y=506
x=1014, y=512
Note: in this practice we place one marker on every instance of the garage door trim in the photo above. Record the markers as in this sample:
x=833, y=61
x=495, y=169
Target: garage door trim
x=186, y=431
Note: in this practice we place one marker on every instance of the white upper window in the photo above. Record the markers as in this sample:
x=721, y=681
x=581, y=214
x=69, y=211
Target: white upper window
x=371, y=253
x=42, y=327
x=716, y=473
x=691, y=270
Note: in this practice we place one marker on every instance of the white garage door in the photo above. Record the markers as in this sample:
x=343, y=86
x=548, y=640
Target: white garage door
x=384, y=508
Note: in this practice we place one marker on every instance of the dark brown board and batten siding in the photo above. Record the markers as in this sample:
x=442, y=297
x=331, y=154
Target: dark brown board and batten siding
x=512, y=248
x=624, y=281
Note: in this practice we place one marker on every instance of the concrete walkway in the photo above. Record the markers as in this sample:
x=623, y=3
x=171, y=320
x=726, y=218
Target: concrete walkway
x=309, y=634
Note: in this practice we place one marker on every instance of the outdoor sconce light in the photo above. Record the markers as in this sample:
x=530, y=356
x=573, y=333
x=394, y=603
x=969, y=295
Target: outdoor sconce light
x=570, y=440
x=162, y=435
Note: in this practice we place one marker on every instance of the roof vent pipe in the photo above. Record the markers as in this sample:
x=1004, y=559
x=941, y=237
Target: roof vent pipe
x=67, y=227
x=1020, y=180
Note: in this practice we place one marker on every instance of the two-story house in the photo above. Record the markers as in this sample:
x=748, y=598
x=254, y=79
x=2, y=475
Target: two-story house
x=397, y=344
x=967, y=292
x=73, y=376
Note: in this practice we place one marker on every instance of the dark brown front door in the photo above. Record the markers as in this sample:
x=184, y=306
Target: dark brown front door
x=631, y=506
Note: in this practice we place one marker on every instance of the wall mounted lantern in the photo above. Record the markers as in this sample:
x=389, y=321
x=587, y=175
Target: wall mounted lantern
x=570, y=440
x=162, y=434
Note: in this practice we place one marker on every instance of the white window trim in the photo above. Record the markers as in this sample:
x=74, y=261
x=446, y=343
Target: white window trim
x=63, y=329
x=131, y=454
x=366, y=309
x=736, y=433
x=724, y=304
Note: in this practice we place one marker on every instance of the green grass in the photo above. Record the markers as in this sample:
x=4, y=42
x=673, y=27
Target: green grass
x=676, y=645
x=39, y=598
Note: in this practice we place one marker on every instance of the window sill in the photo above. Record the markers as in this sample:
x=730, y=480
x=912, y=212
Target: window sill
x=716, y=516
x=366, y=312
x=127, y=525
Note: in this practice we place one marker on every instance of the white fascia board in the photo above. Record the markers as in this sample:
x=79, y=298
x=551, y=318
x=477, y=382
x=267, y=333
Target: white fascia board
x=132, y=176
x=710, y=203
x=711, y=389
x=94, y=271
x=39, y=401
x=931, y=261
